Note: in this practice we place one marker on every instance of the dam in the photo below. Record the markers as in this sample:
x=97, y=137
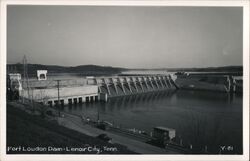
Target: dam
x=52, y=91
x=87, y=89
x=128, y=85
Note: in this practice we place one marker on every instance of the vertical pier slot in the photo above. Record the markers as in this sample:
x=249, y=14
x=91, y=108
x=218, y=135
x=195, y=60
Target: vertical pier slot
x=56, y=102
x=91, y=99
x=62, y=102
x=50, y=103
x=96, y=98
x=80, y=100
x=75, y=100
x=70, y=101
x=87, y=99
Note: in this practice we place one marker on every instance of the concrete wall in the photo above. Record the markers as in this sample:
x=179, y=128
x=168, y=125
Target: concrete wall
x=34, y=83
x=89, y=88
x=66, y=93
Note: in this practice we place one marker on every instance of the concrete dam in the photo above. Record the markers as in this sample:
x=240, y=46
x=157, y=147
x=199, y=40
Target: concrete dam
x=128, y=85
x=88, y=89
x=53, y=91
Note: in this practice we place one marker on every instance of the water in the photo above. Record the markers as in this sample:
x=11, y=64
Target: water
x=200, y=118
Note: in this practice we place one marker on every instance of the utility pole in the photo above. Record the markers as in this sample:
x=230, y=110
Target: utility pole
x=58, y=97
x=98, y=114
x=26, y=77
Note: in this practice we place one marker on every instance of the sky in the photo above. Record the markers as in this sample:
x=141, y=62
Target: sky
x=122, y=36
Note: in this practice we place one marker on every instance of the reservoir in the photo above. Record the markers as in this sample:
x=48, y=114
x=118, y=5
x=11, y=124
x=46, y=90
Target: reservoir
x=200, y=118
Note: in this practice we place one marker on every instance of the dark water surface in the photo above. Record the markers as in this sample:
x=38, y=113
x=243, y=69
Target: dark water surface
x=200, y=118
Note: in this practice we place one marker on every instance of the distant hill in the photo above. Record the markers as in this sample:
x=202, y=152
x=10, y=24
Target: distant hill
x=208, y=69
x=107, y=70
x=53, y=69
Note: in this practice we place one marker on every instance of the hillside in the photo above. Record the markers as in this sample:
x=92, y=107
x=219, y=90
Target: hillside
x=108, y=70
x=29, y=131
x=82, y=69
x=208, y=69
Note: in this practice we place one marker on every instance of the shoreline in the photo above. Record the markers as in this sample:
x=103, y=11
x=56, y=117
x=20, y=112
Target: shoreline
x=73, y=122
x=29, y=130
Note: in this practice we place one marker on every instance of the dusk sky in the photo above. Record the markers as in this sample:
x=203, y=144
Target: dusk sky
x=133, y=37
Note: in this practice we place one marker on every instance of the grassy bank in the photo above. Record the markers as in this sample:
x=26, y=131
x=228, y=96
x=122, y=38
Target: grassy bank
x=30, y=131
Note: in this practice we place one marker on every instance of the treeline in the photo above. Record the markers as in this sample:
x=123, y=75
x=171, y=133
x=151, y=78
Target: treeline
x=107, y=70
x=54, y=69
x=208, y=69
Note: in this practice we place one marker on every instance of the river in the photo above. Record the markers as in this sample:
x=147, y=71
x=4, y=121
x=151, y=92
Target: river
x=200, y=118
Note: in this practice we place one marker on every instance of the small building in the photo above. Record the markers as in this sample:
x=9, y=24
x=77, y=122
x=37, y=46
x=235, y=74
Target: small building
x=15, y=81
x=91, y=80
x=14, y=86
x=42, y=75
x=163, y=133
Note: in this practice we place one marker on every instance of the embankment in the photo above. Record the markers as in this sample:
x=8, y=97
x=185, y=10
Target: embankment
x=31, y=131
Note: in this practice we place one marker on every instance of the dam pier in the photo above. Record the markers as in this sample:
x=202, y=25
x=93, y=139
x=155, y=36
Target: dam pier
x=128, y=85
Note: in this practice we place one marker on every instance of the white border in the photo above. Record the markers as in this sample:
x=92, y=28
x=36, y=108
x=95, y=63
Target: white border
x=242, y=3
